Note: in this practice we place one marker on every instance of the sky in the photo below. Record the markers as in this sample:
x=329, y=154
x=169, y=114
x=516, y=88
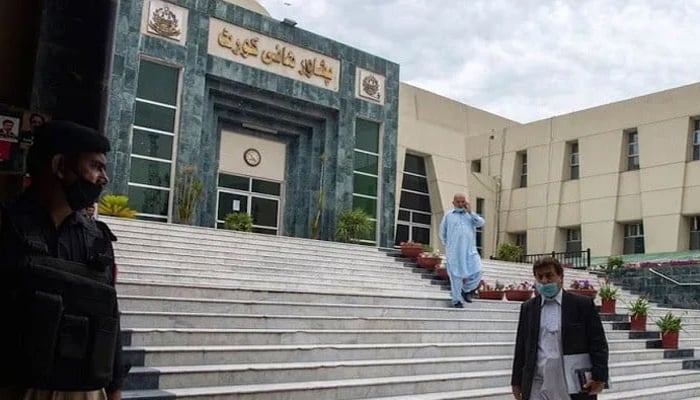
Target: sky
x=522, y=59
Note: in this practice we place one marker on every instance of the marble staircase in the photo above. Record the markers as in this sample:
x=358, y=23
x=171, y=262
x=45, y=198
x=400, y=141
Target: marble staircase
x=210, y=314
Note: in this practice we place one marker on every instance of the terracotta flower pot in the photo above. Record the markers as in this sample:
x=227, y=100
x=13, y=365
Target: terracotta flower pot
x=607, y=306
x=669, y=340
x=429, y=263
x=411, y=251
x=442, y=273
x=518, y=295
x=491, y=294
x=638, y=323
x=584, y=292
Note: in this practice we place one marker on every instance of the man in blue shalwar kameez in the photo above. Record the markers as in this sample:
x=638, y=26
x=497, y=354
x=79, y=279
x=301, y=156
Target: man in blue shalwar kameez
x=458, y=234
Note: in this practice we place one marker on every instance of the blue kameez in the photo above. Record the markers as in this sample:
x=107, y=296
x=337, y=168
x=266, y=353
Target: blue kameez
x=458, y=234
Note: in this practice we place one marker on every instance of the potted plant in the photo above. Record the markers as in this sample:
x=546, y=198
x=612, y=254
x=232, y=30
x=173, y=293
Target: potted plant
x=509, y=252
x=608, y=296
x=582, y=287
x=429, y=259
x=519, y=292
x=411, y=249
x=491, y=292
x=638, y=317
x=116, y=206
x=189, y=191
x=669, y=325
x=239, y=222
x=441, y=272
x=353, y=225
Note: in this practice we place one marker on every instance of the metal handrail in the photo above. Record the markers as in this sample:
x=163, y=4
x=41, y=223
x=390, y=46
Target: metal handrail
x=668, y=278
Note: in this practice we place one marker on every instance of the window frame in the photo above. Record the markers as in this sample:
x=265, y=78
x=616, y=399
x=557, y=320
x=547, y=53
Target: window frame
x=632, y=136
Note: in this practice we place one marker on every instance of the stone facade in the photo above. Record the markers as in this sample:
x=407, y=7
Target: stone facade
x=217, y=91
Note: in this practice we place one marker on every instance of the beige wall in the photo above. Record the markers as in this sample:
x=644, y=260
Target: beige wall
x=662, y=193
x=272, y=162
x=447, y=133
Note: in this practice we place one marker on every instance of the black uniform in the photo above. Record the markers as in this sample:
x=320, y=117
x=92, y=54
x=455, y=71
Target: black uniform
x=25, y=226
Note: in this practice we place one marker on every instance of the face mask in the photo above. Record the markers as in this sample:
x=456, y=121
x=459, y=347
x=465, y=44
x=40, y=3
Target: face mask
x=81, y=193
x=459, y=210
x=547, y=290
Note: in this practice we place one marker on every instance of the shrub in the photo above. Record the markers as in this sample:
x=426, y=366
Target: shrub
x=640, y=308
x=669, y=323
x=188, y=192
x=509, y=252
x=115, y=205
x=239, y=222
x=352, y=226
x=607, y=292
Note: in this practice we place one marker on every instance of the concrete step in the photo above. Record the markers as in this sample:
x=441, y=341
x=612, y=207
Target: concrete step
x=393, y=386
x=254, y=274
x=223, y=337
x=162, y=319
x=155, y=356
x=262, y=284
x=195, y=305
x=169, y=377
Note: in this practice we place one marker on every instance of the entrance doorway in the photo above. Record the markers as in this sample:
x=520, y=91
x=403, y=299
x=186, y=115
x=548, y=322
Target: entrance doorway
x=259, y=198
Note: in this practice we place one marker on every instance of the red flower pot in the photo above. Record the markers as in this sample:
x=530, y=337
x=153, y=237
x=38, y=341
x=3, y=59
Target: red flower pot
x=411, y=251
x=518, y=295
x=429, y=263
x=491, y=294
x=638, y=323
x=669, y=340
x=607, y=306
x=584, y=292
x=442, y=273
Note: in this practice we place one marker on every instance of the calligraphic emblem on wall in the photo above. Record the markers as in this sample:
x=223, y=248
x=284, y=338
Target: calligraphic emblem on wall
x=252, y=157
x=370, y=86
x=164, y=22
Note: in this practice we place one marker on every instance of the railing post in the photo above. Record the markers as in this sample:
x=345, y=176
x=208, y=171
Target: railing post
x=588, y=256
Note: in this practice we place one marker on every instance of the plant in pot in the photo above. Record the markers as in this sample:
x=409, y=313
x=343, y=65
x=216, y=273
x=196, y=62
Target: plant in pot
x=509, y=252
x=638, y=314
x=189, y=191
x=429, y=259
x=353, y=226
x=669, y=325
x=411, y=249
x=239, y=222
x=116, y=206
x=491, y=292
x=582, y=287
x=613, y=264
x=519, y=292
x=608, y=296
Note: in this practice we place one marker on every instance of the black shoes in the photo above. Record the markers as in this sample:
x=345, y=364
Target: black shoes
x=457, y=305
x=467, y=296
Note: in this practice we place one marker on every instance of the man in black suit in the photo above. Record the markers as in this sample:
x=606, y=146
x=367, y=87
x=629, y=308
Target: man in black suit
x=553, y=324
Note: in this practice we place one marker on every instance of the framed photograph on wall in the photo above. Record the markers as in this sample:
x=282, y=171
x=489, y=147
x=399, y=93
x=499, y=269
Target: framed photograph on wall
x=9, y=127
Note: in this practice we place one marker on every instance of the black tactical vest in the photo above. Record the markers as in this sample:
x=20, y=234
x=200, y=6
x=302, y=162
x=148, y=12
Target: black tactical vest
x=60, y=317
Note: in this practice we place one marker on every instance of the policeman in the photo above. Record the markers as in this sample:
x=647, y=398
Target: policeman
x=60, y=336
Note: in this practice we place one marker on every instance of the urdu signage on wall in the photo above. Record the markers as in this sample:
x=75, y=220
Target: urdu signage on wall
x=258, y=51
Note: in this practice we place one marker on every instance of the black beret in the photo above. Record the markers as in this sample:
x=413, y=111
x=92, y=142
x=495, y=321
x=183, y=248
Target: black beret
x=69, y=138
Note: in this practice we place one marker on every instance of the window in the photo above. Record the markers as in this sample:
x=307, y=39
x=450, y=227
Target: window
x=634, y=239
x=520, y=240
x=632, y=150
x=415, y=215
x=366, y=172
x=695, y=232
x=476, y=166
x=573, y=160
x=573, y=240
x=257, y=197
x=480, y=230
x=696, y=139
x=522, y=160
x=153, y=140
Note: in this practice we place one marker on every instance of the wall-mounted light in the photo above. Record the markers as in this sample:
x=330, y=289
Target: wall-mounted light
x=289, y=22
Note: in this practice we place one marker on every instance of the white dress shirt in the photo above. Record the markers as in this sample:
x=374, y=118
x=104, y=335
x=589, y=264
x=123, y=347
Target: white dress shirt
x=549, y=378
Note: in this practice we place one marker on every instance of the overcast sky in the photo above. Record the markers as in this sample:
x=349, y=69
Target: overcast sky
x=522, y=59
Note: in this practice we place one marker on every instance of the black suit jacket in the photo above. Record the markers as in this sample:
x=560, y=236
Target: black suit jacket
x=582, y=332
